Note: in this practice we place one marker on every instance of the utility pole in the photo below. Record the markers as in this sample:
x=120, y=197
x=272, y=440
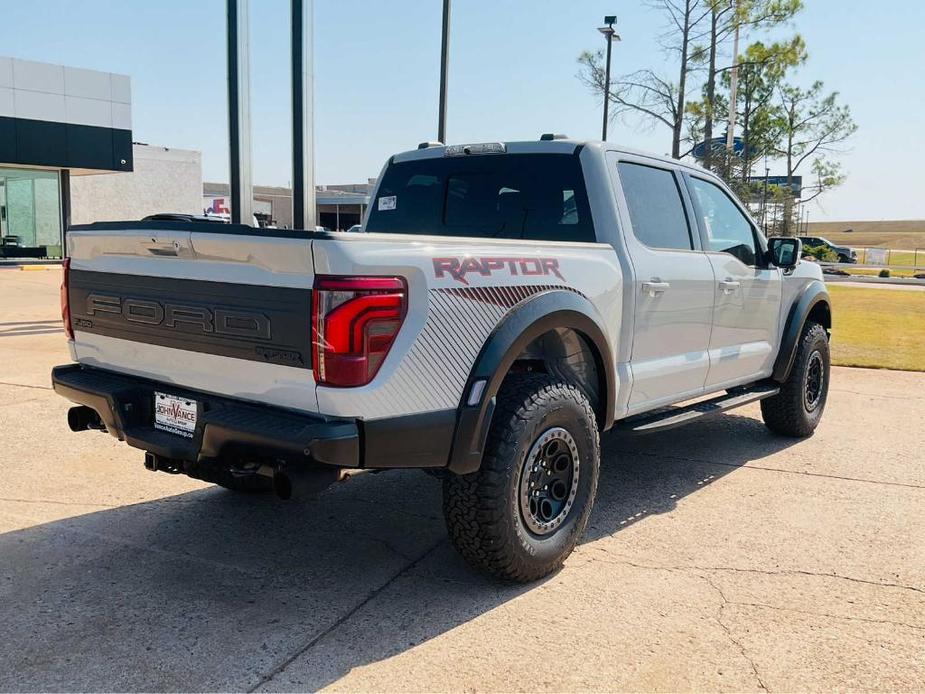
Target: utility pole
x=609, y=36
x=733, y=85
x=444, y=58
x=303, y=148
x=239, y=118
x=764, y=198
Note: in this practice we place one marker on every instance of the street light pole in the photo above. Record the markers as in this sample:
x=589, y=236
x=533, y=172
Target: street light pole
x=733, y=85
x=239, y=119
x=303, y=147
x=610, y=36
x=444, y=58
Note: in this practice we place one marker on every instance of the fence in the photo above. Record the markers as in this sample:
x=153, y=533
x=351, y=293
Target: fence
x=889, y=257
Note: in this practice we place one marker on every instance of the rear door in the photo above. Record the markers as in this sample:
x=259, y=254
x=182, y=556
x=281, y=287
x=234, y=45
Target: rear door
x=673, y=285
x=221, y=308
x=747, y=290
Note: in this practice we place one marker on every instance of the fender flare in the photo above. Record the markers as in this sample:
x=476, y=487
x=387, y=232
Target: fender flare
x=808, y=299
x=536, y=316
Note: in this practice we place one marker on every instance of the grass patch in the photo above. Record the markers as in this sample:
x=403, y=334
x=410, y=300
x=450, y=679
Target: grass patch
x=878, y=328
x=904, y=234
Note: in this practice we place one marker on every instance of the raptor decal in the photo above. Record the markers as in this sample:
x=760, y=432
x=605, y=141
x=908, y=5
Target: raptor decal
x=458, y=268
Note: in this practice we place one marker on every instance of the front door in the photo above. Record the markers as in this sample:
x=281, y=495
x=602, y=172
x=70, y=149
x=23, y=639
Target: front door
x=747, y=290
x=673, y=287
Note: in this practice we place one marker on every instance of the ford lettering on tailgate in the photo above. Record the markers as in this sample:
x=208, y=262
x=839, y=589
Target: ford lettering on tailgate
x=219, y=320
x=257, y=323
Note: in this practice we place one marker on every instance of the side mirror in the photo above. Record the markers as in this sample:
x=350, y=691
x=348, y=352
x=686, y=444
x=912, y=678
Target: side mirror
x=784, y=251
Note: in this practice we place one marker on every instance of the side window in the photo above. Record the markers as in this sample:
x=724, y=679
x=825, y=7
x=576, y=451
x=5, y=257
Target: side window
x=655, y=206
x=728, y=230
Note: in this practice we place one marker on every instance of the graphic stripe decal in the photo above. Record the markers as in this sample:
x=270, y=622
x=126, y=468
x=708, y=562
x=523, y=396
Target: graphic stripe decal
x=506, y=296
x=433, y=373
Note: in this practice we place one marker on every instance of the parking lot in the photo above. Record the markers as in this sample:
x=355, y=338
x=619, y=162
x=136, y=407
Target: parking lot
x=719, y=557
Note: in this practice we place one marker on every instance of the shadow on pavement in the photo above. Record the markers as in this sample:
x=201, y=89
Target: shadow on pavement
x=214, y=591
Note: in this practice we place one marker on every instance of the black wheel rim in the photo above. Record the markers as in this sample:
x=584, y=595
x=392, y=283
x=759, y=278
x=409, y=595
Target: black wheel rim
x=815, y=381
x=549, y=481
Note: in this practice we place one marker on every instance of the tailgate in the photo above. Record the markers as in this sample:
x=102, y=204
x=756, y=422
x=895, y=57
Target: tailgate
x=225, y=310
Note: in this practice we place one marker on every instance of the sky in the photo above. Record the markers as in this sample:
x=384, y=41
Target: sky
x=512, y=77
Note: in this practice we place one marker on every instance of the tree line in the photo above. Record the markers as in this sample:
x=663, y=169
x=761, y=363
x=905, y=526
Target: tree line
x=723, y=68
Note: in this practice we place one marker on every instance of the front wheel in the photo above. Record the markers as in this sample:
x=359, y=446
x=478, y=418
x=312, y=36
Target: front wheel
x=522, y=513
x=797, y=409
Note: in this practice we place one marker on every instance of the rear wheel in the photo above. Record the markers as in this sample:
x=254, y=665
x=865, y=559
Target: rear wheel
x=797, y=409
x=522, y=513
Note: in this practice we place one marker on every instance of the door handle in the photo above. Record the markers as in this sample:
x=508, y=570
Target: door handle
x=655, y=287
x=156, y=247
x=729, y=285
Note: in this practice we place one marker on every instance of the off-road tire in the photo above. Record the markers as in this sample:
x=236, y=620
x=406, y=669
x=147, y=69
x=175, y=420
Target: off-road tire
x=788, y=413
x=483, y=510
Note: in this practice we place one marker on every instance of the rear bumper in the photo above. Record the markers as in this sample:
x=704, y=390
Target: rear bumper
x=225, y=427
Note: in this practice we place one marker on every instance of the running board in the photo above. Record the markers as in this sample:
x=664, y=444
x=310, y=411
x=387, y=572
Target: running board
x=675, y=417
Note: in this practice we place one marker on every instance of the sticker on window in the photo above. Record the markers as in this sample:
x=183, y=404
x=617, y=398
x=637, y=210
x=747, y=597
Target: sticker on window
x=388, y=202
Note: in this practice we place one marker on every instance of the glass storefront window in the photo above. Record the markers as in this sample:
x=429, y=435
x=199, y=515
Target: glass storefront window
x=30, y=214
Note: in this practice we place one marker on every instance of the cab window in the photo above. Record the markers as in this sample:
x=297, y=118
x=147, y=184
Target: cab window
x=655, y=206
x=728, y=229
x=536, y=197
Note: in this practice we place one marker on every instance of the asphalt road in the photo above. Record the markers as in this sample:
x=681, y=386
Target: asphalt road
x=719, y=557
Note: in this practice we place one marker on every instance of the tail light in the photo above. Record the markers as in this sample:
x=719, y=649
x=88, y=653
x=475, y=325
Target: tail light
x=65, y=307
x=354, y=323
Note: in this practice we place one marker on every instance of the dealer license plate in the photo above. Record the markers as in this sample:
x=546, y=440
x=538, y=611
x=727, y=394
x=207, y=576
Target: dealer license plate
x=176, y=415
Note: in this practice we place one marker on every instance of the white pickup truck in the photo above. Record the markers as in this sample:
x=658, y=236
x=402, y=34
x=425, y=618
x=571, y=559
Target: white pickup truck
x=505, y=304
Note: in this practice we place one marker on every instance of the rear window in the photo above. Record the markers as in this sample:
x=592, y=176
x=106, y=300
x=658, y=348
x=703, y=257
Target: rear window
x=538, y=197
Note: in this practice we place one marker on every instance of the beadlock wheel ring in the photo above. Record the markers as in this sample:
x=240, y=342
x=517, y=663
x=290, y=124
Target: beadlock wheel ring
x=815, y=378
x=549, y=481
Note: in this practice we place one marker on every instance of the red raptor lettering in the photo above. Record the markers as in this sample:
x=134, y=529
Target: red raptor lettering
x=458, y=268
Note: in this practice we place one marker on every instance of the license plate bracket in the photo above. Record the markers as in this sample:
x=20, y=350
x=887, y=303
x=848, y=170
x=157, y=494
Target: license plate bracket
x=175, y=414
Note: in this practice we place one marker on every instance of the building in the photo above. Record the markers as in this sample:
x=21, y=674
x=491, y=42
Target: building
x=57, y=124
x=337, y=206
x=164, y=180
x=67, y=157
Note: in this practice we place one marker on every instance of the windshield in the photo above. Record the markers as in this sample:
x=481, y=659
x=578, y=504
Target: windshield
x=516, y=196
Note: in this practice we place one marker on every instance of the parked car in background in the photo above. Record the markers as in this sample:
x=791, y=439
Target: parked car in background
x=844, y=253
x=356, y=227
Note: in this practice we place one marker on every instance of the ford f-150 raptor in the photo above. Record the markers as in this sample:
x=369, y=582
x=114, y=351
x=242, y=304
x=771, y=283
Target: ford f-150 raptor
x=504, y=305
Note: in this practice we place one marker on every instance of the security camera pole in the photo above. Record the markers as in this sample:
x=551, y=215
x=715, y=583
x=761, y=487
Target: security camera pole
x=610, y=35
x=444, y=57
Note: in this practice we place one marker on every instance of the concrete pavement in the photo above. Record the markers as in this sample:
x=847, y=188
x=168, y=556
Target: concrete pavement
x=719, y=557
